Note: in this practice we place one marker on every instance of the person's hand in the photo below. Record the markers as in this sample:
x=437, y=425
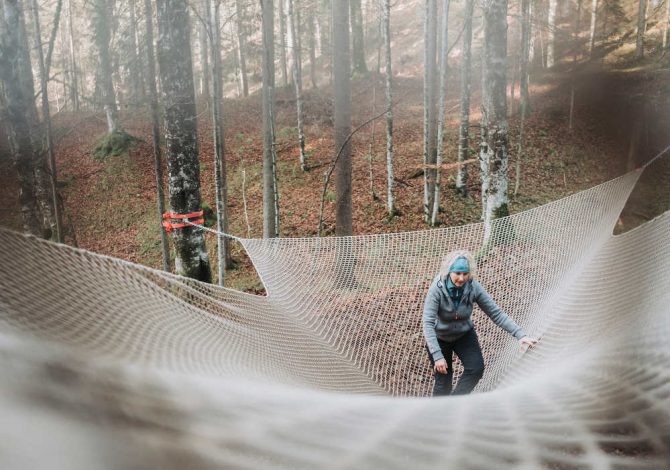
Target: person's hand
x=527, y=342
x=441, y=366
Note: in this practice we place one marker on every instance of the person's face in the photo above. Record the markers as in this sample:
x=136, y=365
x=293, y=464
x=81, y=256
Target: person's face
x=459, y=278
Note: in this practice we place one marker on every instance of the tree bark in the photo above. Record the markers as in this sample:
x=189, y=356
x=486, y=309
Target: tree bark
x=551, y=33
x=74, y=87
x=466, y=88
x=390, y=182
x=175, y=62
x=342, y=111
x=220, y=176
x=155, y=129
x=205, y=73
x=241, y=47
x=270, y=202
x=574, y=64
x=136, y=85
x=443, y=66
x=100, y=19
x=297, y=80
x=49, y=207
x=592, y=33
x=666, y=24
x=493, y=154
x=523, y=87
x=641, y=23
x=283, y=60
x=429, y=111
x=358, y=39
x=312, y=44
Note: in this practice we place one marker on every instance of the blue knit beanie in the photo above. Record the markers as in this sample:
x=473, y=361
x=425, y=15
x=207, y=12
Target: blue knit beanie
x=461, y=265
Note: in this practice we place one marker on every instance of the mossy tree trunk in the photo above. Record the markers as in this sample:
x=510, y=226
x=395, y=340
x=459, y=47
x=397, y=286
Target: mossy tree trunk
x=175, y=62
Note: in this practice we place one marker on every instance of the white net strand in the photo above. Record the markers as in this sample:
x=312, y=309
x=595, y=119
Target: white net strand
x=110, y=364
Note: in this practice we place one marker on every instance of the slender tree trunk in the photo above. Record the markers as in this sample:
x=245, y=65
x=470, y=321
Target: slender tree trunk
x=342, y=111
x=641, y=24
x=666, y=24
x=551, y=33
x=523, y=87
x=297, y=80
x=466, y=87
x=155, y=128
x=241, y=47
x=493, y=155
x=220, y=176
x=390, y=182
x=74, y=86
x=283, y=60
x=205, y=72
x=573, y=79
x=51, y=206
x=175, y=62
x=429, y=111
x=441, y=119
x=270, y=213
x=592, y=33
x=135, y=66
x=312, y=44
x=102, y=31
x=357, y=36
x=324, y=19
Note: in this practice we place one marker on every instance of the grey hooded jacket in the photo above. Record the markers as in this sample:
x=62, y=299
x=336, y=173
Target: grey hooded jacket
x=441, y=321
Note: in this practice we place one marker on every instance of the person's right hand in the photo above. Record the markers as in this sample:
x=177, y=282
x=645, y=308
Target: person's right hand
x=441, y=366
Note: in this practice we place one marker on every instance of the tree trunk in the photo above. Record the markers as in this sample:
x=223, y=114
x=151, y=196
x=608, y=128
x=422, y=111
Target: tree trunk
x=74, y=86
x=357, y=37
x=444, y=53
x=312, y=44
x=641, y=22
x=283, y=60
x=342, y=111
x=155, y=129
x=429, y=111
x=575, y=41
x=205, y=73
x=174, y=59
x=297, y=80
x=523, y=87
x=100, y=21
x=48, y=206
x=20, y=114
x=493, y=155
x=551, y=33
x=220, y=176
x=592, y=33
x=270, y=212
x=666, y=24
x=241, y=47
x=324, y=19
x=136, y=85
x=390, y=182
x=466, y=88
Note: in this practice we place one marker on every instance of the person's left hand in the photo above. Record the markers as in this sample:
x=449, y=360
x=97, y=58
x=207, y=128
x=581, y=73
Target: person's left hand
x=527, y=342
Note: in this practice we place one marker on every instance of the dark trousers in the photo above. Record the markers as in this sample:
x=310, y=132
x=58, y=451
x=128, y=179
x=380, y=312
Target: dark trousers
x=470, y=353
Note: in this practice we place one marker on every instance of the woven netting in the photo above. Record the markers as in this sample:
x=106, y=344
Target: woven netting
x=110, y=364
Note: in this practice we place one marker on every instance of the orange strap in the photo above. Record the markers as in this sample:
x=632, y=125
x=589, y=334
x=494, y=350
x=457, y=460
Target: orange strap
x=169, y=225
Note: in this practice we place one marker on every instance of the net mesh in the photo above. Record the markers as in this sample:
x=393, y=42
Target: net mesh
x=113, y=364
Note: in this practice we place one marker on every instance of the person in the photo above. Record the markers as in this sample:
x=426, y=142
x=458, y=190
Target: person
x=448, y=326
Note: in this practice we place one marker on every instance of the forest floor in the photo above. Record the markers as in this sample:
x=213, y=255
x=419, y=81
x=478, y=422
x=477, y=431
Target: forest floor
x=111, y=204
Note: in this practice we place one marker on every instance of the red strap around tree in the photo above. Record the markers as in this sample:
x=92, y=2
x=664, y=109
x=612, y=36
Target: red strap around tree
x=170, y=225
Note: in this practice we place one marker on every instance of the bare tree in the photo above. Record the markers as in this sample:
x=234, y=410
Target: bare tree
x=429, y=108
x=493, y=154
x=270, y=191
x=441, y=118
x=523, y=87
x=241, y=46
x=283, y=60
x=666, y=23
x=575, y=41
x=358, y=38
x=220, y=176
x=390, y=182
x=174, y=58
x=155, y=127
x=466, y=86
x=100, y=22
x=74, y=74
x=297, y=77
x=205, y=72
x=342, y=111
x=592, y=31
x=312, y=42
x=641, y=26
x=551, y=32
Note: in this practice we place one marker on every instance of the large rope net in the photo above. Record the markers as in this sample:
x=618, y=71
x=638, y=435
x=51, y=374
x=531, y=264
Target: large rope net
x=110, y=364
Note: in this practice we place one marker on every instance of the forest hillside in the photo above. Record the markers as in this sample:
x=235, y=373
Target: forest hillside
x=620, y=120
